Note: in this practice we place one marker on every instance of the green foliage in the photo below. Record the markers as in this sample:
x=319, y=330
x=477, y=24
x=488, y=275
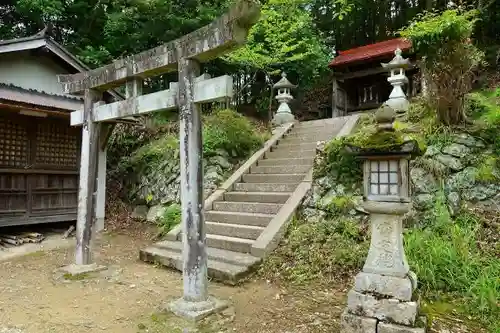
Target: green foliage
x=423, y=117
x=231, y=132
x=487, y=170
x=484, y=108
x=339, y=164
x=341, y=204
x=318, y=251
x=284, y=39
x=432, y=34
x=171, y=217
x=150, y=155
x=343, y=166
x=223, y=130
x=449, y=59
x=446, y=258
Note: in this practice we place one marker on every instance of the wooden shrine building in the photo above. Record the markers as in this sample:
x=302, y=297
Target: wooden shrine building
x=360, y=81
x=39, y=150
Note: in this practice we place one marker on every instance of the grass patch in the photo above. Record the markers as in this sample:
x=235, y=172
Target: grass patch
x=321, y=251
x=448, y=262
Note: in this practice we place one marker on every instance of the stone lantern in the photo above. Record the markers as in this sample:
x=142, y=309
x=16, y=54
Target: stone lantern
x=397, y=78
x=382, y=299
x=284, y=114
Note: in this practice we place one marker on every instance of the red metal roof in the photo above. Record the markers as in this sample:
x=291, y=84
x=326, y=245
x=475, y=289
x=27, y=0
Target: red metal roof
x=370, y=51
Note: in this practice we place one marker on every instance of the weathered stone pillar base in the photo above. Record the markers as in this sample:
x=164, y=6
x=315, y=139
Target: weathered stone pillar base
x=392, y=328
x=351, y=323
x=75, y=269
x=281, y=118
x=196, y=311
x=377, y=313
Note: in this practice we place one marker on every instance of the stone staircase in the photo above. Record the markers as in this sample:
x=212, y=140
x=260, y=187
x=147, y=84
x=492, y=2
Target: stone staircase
x=247, y=218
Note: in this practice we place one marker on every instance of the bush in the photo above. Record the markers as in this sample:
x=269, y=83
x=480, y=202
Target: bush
x=231, y=132
x=449, y=59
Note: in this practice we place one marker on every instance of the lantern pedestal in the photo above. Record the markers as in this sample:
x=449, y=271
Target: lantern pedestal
x=382, y=298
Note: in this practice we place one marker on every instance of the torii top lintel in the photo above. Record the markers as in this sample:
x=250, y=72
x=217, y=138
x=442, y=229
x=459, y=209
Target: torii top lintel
x=222, y=35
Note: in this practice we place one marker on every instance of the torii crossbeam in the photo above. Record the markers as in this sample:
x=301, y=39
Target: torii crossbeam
x=184, y=55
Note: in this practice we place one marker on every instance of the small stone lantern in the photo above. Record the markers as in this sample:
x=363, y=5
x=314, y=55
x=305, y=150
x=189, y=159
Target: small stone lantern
x=397, y=67
x=284, y=114
x=382, y=299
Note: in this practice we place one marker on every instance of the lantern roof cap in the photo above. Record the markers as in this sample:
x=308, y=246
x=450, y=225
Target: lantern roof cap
x=283, y=83
x=385, y=141
x=398, y=61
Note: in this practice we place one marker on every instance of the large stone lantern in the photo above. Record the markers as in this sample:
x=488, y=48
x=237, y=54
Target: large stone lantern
x=397, y=78
x=382, y=299
x=284, y=114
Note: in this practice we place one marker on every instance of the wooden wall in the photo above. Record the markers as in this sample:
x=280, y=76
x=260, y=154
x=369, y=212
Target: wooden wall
x=39, y=160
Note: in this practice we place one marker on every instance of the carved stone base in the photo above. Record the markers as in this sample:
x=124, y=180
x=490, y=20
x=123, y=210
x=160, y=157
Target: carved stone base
x=351, y=323
x=74, y=269
x=391, y=286
x=196, y=311
x=384, y=309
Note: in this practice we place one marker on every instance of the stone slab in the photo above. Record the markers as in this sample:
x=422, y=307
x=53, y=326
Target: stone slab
x=385, y=309
x=392, y=328
x=196, y=311
x=400, y=288
x=356, y=324
x=75, y=269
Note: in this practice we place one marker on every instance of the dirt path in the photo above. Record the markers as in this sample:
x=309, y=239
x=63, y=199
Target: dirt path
x=127, y=298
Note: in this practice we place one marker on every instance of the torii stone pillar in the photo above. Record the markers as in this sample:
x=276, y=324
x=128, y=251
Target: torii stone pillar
x=284, y=114
x=397, y=66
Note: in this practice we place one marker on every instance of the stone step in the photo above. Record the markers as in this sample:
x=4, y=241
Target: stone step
x=224, y=266
x=247, y=207
x=301, y=139
x=265, y=187
x=285, y=161
x=273, y=178
x=298, y=146
x=280, y=169
x=234, y=244
x=285, y=153
x=264, y=197
x=234, y=230
x=260, y=220
x=327, y=122
x=323, y=130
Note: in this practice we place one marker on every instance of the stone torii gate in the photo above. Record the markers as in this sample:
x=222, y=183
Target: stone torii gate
x=183, y=55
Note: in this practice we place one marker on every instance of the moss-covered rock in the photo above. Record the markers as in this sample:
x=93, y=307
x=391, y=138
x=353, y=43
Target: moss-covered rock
x=151, y=173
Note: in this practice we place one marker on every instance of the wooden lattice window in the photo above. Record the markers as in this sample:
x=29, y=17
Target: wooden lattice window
x=56, y=145
x=13, y=143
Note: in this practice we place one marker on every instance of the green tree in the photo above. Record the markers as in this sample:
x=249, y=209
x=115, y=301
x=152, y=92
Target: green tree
x=284, y=39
